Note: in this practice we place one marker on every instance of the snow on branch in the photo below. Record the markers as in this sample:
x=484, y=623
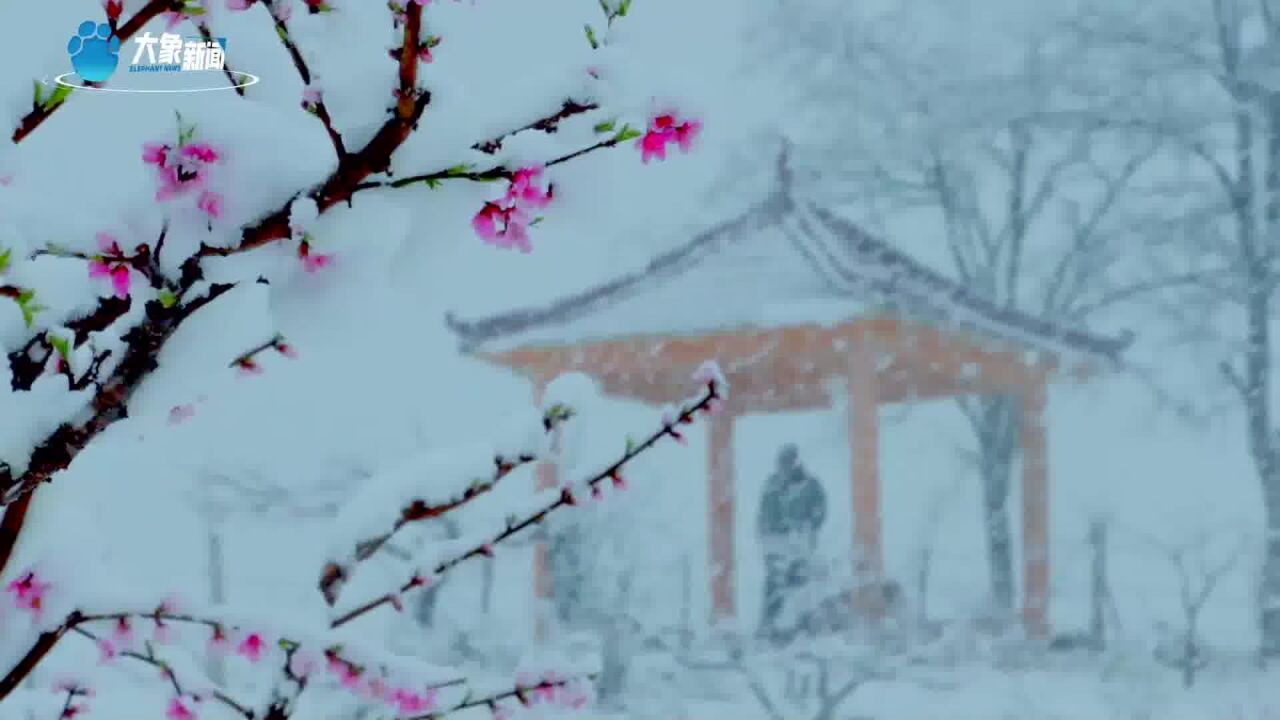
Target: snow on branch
x=107, y=346
x=394, y=499
x=710, y=401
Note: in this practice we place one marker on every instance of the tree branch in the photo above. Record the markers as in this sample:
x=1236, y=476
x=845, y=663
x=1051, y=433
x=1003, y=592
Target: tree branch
x=145, y=14
x=319, y=109
x=668, y=429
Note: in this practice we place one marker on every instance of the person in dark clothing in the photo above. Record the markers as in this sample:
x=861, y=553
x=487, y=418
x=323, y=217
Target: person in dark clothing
x=792, y=511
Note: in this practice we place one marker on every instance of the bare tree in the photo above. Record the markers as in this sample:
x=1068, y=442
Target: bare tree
x=1199, y=575
x=1199, y=75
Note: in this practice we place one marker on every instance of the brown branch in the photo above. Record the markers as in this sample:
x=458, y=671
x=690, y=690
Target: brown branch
x=37, y=652
x=519, y=693
x=40, y=113
x=565, y=499
x=56, y=453
x=167, y=672
x=304, y=72
x=334, y=573
x=549, y=124
x=206, y=34
x=498, y=172
x=353, y=169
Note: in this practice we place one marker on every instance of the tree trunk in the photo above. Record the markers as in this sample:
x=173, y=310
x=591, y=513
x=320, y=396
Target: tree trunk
x=1264, y=436
x=995, y=433
x=1100, y=592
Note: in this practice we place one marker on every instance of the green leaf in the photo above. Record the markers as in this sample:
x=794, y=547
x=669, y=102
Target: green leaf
x=57, y=98
x=604, y=127
x=282, y=33
x=604, y=7
x=623, y=8
x=167, y=298
x=4, y=259
x=631, y=444
x=62, y=346
x=627, y=133
x=28, y=307
x=37, y=95
x=433, y=183
x=462, y=169
x=591, y=37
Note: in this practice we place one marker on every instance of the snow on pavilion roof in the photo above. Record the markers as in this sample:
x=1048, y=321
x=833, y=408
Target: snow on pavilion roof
x=781, y=263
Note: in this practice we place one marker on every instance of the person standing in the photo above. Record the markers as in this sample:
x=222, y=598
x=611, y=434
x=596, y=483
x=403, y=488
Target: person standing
x=792, y=510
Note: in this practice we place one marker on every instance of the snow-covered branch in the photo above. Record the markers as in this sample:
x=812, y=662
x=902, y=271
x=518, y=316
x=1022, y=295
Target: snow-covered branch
x=710, y=401
x=399, y=491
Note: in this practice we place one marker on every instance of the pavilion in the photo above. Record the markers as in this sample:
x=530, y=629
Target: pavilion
x=789, y=296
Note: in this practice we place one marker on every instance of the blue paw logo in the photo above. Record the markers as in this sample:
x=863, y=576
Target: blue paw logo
x=94, y=51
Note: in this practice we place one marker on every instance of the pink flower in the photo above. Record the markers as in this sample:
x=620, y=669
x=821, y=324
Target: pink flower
x=514, y=226
x=122, y=633
x=686, y=133
x=663, y=130
x=408, y=702
x=99, y=269
x=155, y=154
x=349, y=677
x=210, y=203
x=178, y=710
x=247, y=366
x=653, y=145
x=485, y=222
x=120, y=281
x=28, y=592
x=251, y=647
x=113, y=8
x=238, y=5
x=424, y=54
x=525, y=188
x=282, y=10
x=106, y=651
x=202, y=151
x=108, y=244
x=313, y=262
x=218, y=640
x=287, y=350
x=174, y=181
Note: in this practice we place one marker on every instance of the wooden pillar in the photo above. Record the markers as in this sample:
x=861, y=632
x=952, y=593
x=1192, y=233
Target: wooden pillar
x=542, y=577
x=864, y=445
x=720, y=516
x=1035, y=512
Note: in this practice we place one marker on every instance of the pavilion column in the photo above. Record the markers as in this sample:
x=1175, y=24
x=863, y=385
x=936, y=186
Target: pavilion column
x=864, y=444
x=542, y=573
x=1035, y=512
x=720, y=516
